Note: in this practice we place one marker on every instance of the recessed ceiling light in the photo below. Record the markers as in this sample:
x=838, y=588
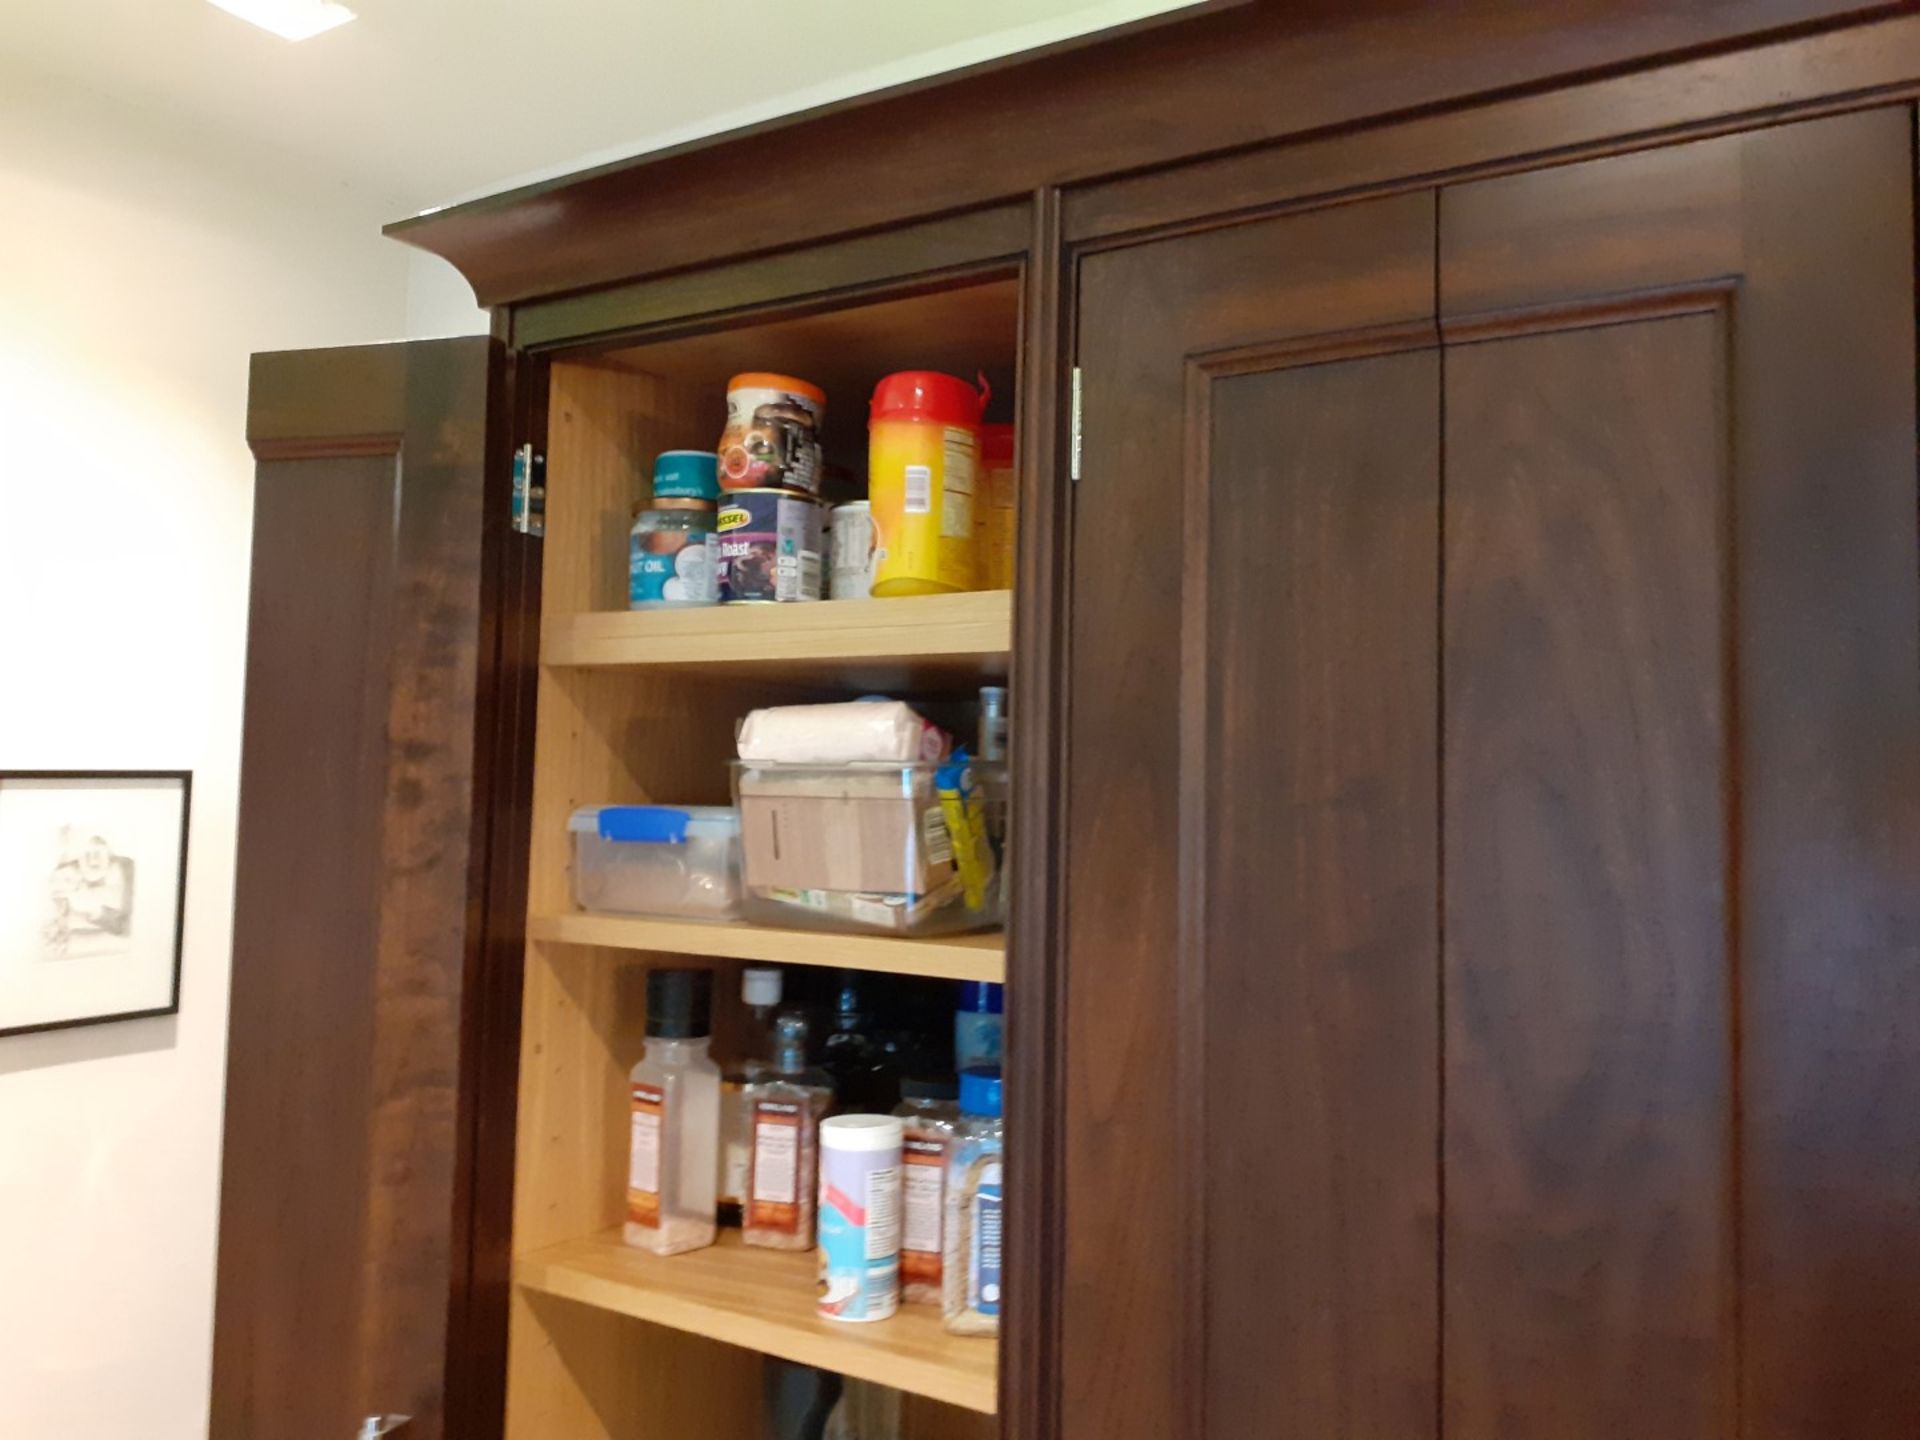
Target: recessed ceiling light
x=289, y=19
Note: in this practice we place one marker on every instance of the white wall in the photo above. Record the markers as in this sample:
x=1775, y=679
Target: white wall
x=439, y=300
x=135, y=279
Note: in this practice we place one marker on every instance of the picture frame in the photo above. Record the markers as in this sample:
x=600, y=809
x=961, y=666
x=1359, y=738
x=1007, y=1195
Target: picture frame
x=93, y=888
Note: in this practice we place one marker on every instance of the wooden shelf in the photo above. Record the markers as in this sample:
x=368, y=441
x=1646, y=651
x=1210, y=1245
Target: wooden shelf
x=950, y=957
x=914, y=641
x=764, y=1300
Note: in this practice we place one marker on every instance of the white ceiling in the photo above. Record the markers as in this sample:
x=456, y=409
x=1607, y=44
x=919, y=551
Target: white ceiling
x=432, y=101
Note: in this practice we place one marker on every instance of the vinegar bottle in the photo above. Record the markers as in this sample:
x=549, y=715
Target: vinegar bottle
x=673, y=1170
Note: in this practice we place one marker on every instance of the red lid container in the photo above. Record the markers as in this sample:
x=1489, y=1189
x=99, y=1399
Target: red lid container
x=928, y=395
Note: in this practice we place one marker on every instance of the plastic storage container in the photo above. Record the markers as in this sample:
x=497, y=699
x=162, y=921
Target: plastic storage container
x=895, y=849
x=923, y=459
x=657, y=860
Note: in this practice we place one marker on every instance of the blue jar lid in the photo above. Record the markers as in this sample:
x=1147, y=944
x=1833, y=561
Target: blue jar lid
x=980, y=1092
x=686, y=475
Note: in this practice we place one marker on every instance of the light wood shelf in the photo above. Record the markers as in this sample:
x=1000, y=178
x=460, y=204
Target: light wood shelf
x=763, y=1300
x=916, y=641
x=947, y=957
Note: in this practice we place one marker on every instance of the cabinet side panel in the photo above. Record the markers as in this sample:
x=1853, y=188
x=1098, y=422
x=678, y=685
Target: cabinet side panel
x=621, y=737
x=1829, y=631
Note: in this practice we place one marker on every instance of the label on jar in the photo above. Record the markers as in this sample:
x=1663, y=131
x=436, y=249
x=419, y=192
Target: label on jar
x=643, y=1161
x=671, y=567
x=956, y=484
x=983, y=1258
x=772, y=440
x=923, y=1186
x=774, y=1201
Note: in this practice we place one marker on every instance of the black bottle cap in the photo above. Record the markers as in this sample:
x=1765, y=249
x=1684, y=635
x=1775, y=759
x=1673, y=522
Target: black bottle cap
x=679, y=1004
x=926, y=1088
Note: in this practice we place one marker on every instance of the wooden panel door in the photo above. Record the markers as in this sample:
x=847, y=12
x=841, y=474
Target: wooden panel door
x=354, y=1271
x=1250, y=1189
x=1492, y=936
x=1681, y=720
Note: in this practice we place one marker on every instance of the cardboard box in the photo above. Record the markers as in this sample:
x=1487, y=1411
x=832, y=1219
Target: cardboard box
x=872, y=829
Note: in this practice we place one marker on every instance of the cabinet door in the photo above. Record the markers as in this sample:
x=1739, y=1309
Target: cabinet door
x=1681, y=913
x=355, y=1272
x=1249, y=1174
x=1492, y=938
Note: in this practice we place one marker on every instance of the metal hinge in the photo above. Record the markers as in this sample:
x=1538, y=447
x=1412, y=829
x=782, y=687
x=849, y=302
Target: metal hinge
x=1073, y=454
x=529, y=491
x=375, y=1426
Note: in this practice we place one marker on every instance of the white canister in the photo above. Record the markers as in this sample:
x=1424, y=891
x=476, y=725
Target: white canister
x=854, y=552
x=860, y=1216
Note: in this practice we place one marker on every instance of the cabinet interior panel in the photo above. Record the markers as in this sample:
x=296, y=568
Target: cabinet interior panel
x=642, y=708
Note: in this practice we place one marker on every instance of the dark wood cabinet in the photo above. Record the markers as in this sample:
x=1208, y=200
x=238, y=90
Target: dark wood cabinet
x=1464, y=946
x=350, y=1283
x=1473, y=855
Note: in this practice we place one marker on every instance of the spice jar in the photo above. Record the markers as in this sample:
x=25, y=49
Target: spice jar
x=975, y=1187
x=931, y=1121
x=671, y=548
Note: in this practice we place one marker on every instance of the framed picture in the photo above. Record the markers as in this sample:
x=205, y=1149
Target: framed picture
x=93, y=876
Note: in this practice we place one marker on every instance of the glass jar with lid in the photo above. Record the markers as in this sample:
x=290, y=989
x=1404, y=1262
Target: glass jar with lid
x=670, y=550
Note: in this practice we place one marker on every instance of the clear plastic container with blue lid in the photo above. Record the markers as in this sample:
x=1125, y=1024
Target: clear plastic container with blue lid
x=680, y=860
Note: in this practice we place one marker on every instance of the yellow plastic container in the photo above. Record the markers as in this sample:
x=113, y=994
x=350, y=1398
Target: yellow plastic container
x=923, y=475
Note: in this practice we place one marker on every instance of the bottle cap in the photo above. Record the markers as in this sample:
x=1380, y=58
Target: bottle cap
x=679, y=1004
x=980, y=1092
x=767, y=380
x=928, y=395
x=862, y=1132
x=686, y=475
x=928, y=1088
x=760, y=985
x=982, y=997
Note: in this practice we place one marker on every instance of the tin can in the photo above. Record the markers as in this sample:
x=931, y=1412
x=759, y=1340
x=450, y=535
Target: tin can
x=769, y=547
x=854, y=552
x=860, y=1216
x=772, y=439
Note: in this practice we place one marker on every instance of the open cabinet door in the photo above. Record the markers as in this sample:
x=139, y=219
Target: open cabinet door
x=379, y=796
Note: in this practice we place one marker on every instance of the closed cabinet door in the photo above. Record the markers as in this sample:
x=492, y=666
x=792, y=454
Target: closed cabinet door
x=1492, y=947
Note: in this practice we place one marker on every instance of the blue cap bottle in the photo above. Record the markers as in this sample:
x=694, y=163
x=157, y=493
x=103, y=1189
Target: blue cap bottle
x=978, y=1026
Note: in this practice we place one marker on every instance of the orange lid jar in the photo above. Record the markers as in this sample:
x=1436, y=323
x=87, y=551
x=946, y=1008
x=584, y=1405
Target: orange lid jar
x=772, y=439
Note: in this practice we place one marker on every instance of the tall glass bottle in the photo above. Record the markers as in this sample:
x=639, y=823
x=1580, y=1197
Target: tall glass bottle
x=760, y=992
x=866, y=1080
x=786, y=1105
x=673, y=1171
